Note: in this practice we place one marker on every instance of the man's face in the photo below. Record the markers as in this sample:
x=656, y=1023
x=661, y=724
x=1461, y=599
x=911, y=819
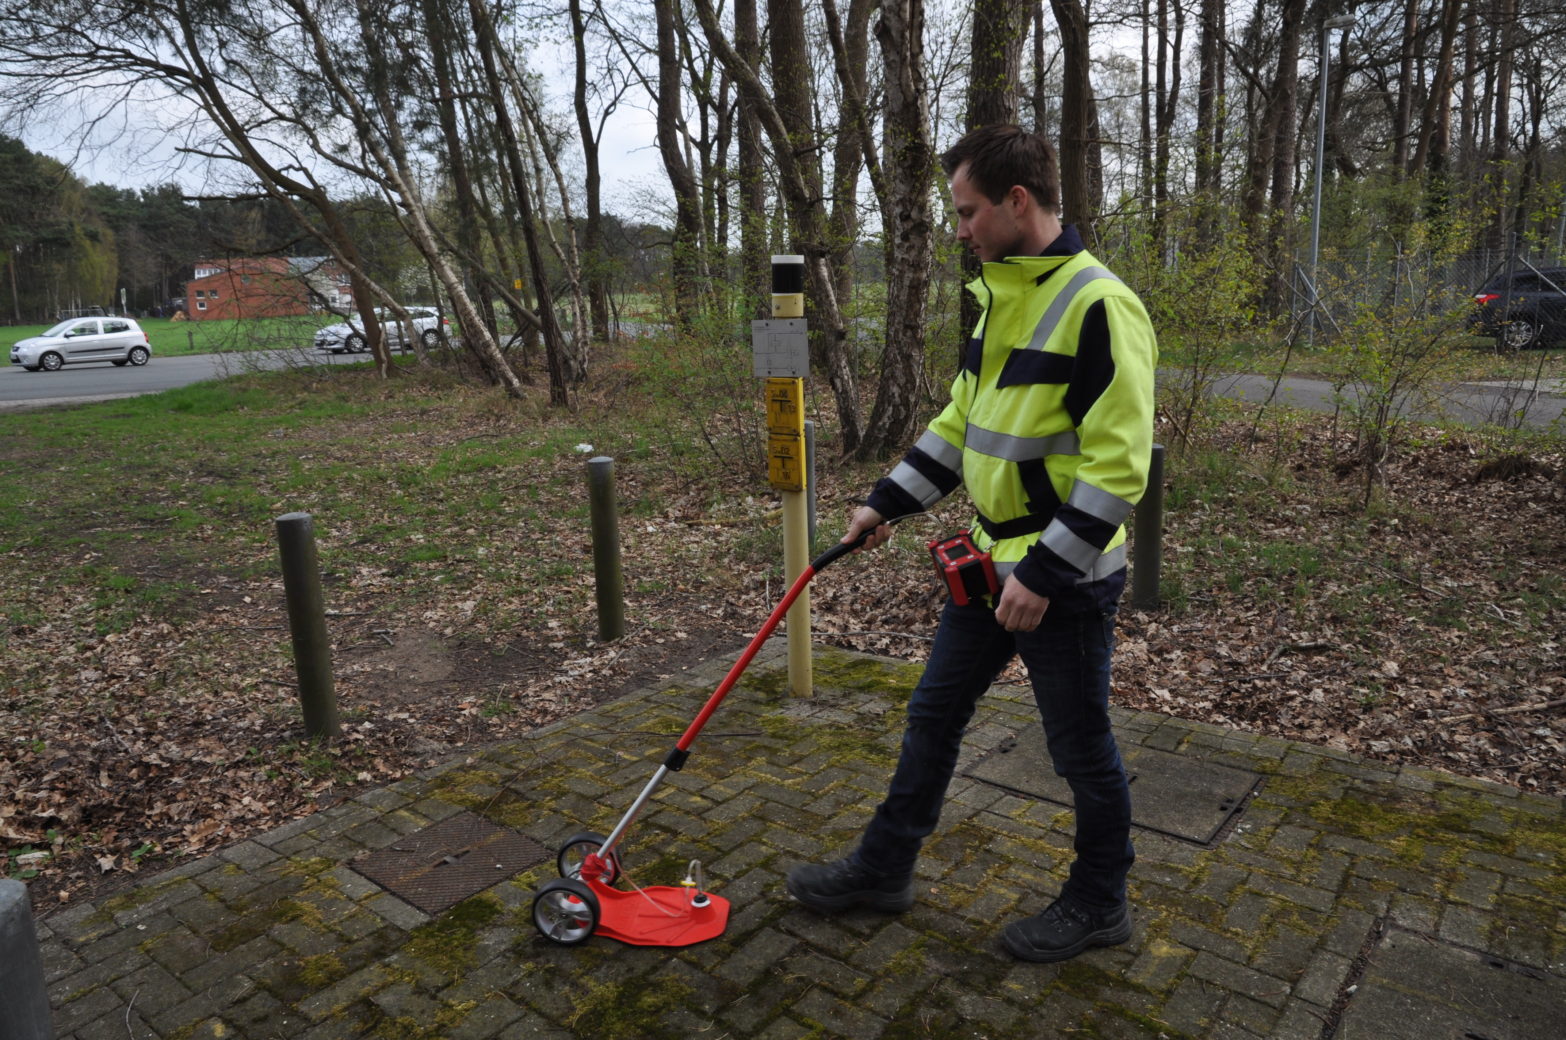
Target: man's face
x=987, y=229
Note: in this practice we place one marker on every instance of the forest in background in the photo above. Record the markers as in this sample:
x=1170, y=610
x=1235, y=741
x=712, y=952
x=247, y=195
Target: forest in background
x=429, y=148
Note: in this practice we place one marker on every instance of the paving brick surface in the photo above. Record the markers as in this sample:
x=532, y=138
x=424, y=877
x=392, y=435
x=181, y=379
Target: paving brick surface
x=1292, y=923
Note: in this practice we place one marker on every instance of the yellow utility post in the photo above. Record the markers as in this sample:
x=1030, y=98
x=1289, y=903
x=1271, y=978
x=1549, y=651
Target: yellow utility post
x=782, y=356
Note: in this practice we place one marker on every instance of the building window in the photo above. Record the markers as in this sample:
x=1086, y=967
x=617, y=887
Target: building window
x=201, y=305
x=211, y=294
x=201, y=294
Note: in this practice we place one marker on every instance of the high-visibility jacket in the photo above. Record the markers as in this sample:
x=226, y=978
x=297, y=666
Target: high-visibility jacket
x=1050, y=424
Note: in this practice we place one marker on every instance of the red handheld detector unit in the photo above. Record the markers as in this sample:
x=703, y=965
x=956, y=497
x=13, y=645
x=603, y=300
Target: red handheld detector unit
x=967, y=572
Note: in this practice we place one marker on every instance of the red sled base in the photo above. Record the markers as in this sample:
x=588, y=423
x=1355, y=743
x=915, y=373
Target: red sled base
x=572, y=910
x=661, y=915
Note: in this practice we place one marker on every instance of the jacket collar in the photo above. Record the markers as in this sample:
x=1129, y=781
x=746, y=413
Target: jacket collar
x=1021, y=272
x=1067, y=243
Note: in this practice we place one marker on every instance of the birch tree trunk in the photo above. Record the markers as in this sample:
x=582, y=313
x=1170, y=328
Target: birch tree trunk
x=687, y=193
x=1436, y=126
x=1283, y=118
x=906, y=215
x=1209, y=102
x=1000, y=27
x=1505, y=15
x=511, y=151
x=754, y=267
x=799, y=178
x=1081, y=165
x=594, y=262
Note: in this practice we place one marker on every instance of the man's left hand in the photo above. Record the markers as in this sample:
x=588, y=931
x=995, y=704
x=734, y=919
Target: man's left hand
x=1020, y=608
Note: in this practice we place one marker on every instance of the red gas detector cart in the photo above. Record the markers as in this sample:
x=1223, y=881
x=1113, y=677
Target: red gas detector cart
x=584, y=900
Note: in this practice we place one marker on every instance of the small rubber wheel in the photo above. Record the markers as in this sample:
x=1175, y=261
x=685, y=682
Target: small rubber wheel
x=565, y=911
x=575, y=851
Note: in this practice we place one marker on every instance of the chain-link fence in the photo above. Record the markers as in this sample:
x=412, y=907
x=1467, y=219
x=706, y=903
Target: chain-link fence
x=1380, y=280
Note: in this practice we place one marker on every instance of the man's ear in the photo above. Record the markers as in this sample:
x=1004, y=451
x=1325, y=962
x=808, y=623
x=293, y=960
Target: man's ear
x=1018, y=198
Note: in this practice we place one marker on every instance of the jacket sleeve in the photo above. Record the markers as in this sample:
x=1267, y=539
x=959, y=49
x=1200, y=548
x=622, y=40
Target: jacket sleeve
x=932, y=469
x=1111, y=400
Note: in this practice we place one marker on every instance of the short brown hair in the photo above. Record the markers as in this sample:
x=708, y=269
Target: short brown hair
x=1001, y=155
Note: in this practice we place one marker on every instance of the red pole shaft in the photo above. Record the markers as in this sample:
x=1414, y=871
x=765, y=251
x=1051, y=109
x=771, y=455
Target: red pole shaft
x=684, y=743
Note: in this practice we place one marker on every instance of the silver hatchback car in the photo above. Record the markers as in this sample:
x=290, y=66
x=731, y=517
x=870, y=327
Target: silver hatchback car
x=80, y=340
x=349, y=338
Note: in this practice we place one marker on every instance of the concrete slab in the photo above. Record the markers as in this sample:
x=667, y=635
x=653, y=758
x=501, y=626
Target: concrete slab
x=1418, y=988
x=1177, y=795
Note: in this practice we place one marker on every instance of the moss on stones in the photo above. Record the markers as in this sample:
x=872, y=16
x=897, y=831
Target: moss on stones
x=320, y=971
x=629, y=1009
x=448, y=943
x=840, y=672
x=136, y=897
x=469, y=788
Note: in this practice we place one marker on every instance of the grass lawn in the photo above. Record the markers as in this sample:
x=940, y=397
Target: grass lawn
x=173, y=338
x=1468, y=359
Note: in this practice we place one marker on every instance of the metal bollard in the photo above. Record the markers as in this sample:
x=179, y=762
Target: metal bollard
x=1149, y=535
x=608, y=581
x=24, y=1001
x=307, y=624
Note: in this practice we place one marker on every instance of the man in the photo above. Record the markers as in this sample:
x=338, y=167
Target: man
x=1050, y=426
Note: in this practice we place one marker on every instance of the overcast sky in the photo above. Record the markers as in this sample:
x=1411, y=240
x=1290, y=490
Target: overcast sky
x=136, y=146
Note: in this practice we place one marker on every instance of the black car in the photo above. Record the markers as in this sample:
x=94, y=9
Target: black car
x=1530, y=311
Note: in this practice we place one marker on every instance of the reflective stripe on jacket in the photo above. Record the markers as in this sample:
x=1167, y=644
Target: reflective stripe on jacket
x=1050, y=425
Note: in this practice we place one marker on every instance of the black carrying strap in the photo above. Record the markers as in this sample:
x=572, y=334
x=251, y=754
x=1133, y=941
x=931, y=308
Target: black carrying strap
x=1012, y=528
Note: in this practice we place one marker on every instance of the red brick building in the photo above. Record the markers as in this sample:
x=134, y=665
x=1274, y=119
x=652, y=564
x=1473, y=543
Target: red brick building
x=265, y=287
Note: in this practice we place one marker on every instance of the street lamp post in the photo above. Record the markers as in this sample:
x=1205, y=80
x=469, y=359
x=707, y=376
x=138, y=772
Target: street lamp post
x=1342, y=21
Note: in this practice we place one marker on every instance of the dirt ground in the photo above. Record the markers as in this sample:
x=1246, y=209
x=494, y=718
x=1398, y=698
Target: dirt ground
x=1430, y=635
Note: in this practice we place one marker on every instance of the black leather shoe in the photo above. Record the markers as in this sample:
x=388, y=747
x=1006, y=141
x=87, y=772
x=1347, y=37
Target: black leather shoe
x=830, y=887
x=1064, y=930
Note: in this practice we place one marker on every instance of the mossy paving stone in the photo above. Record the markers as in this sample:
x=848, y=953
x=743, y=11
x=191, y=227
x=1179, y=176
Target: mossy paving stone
x=1171, y=794
x=1261, y=933
x=1416, y=988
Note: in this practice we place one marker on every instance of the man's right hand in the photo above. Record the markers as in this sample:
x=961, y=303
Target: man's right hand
x=867, y=519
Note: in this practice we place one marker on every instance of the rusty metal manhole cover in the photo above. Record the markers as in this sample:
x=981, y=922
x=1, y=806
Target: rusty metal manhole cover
x=438, y=867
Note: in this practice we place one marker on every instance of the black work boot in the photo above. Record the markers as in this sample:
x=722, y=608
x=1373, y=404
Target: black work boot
x=1064, y=930
x=829, y=887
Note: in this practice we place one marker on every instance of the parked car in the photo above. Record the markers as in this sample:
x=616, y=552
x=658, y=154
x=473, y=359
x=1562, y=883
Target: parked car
x=1530, y=311
x=79, y=340
x=348, y=337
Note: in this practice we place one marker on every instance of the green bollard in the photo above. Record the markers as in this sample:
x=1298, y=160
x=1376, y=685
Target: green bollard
x=607, y=578
x=307, y=624
x=1149, y=535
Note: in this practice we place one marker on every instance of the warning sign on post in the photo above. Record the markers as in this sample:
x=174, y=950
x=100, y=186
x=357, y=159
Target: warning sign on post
x=781, y=347
x=786, y=407
x=786, y=462
x=786, y=433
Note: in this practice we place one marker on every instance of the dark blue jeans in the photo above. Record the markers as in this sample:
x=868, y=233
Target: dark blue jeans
x=1067, y=658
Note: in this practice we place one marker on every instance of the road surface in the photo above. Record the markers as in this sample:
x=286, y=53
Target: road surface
x=1474, y=403
x=1470, y=403
x=80, y=384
